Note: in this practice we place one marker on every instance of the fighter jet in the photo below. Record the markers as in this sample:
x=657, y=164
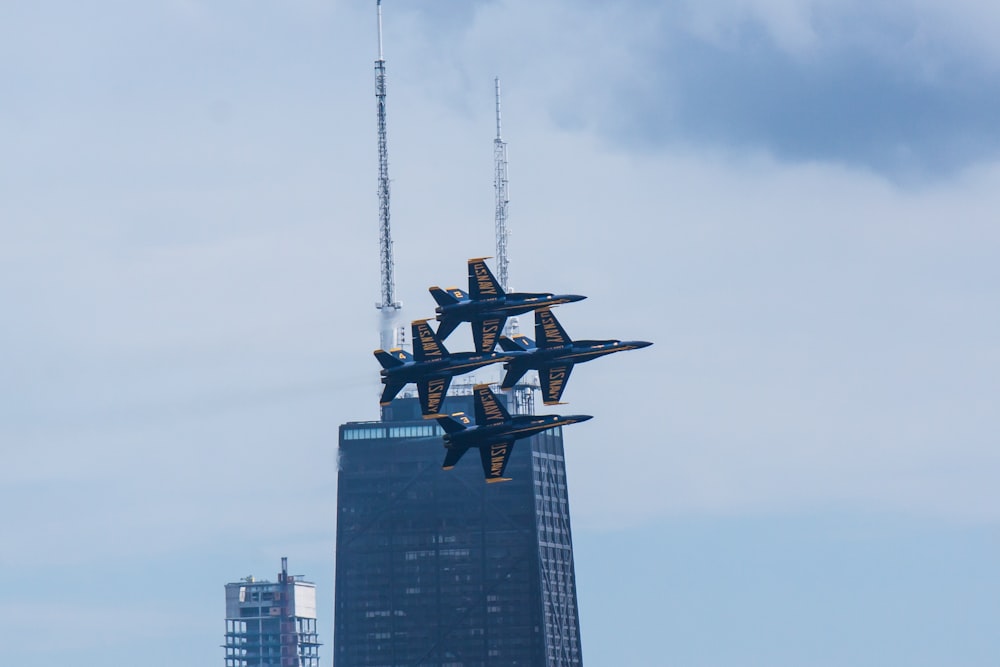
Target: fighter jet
x=431, y=367
x=554, y=355
x=493, y=433
x=487, y=306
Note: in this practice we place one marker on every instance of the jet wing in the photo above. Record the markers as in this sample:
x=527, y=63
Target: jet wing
x=426, y=345
x=489, y=411
x=482, y=283
x=432, y=392
x=495, y=458
x=548, y=331
x=553, y=379
x=486, y=332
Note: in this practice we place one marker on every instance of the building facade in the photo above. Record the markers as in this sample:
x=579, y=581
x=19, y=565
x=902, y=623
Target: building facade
x=271, y=624
x=439, y=569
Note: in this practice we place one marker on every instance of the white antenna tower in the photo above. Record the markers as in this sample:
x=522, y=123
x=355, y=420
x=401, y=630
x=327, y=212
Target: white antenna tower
x=523, y=399
x=500, y=184
x=388, y=307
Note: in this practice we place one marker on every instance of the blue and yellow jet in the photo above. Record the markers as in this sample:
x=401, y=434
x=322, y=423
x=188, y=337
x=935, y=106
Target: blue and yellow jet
x=431, y=367
x=554, y=354
x=493, y=433
x=487, y=306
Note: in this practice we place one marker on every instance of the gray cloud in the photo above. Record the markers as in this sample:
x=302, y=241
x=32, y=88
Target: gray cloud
x=851, y=109
x=906, y=89
x=858, y=86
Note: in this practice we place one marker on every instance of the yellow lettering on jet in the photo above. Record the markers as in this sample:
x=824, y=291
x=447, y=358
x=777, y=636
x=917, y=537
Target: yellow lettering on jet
x=490, y=330
x=435, y=392
x=492, y=411
x=557, y=377
x=497, y=455
x=427, y=342
x=483, y=279
x=552, y=332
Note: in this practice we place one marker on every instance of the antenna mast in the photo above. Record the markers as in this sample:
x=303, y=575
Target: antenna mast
x=500, y=184
x=388, y=306
x=523, y=399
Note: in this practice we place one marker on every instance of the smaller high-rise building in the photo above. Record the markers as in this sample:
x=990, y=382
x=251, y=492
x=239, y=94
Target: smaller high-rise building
x=271, y=624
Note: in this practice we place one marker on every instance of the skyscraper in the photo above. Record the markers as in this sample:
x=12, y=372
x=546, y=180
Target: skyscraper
x=271, y=624
x=438, y=568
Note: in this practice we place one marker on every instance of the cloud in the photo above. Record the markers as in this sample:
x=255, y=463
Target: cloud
x=907, y=90
x=866, y=85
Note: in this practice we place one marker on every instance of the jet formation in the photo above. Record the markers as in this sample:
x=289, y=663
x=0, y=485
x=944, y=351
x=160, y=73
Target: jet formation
x=487, y=306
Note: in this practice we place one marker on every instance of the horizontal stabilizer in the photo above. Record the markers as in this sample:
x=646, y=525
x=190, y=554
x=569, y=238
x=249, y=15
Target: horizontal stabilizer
x=453, y=423
x=393, y=358
x=448, y=297
x=516, y=343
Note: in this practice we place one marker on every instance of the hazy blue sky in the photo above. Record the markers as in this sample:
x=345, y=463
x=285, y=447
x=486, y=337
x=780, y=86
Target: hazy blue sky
x=795, y=200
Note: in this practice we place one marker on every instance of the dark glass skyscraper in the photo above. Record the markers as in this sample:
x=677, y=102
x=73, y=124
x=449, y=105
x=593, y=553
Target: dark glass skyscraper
x=439, y=569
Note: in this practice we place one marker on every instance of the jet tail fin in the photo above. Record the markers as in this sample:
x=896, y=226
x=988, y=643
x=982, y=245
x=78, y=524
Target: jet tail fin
x=482, y=283
x=489, y=410
x=548, y=331
x=427, y=345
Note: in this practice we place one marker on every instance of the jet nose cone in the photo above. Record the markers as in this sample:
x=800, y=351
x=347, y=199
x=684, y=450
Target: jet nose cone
x=581, y=418
x=639, y=344
x=573, y=298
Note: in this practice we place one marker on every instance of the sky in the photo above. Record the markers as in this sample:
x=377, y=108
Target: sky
x=795, y=200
